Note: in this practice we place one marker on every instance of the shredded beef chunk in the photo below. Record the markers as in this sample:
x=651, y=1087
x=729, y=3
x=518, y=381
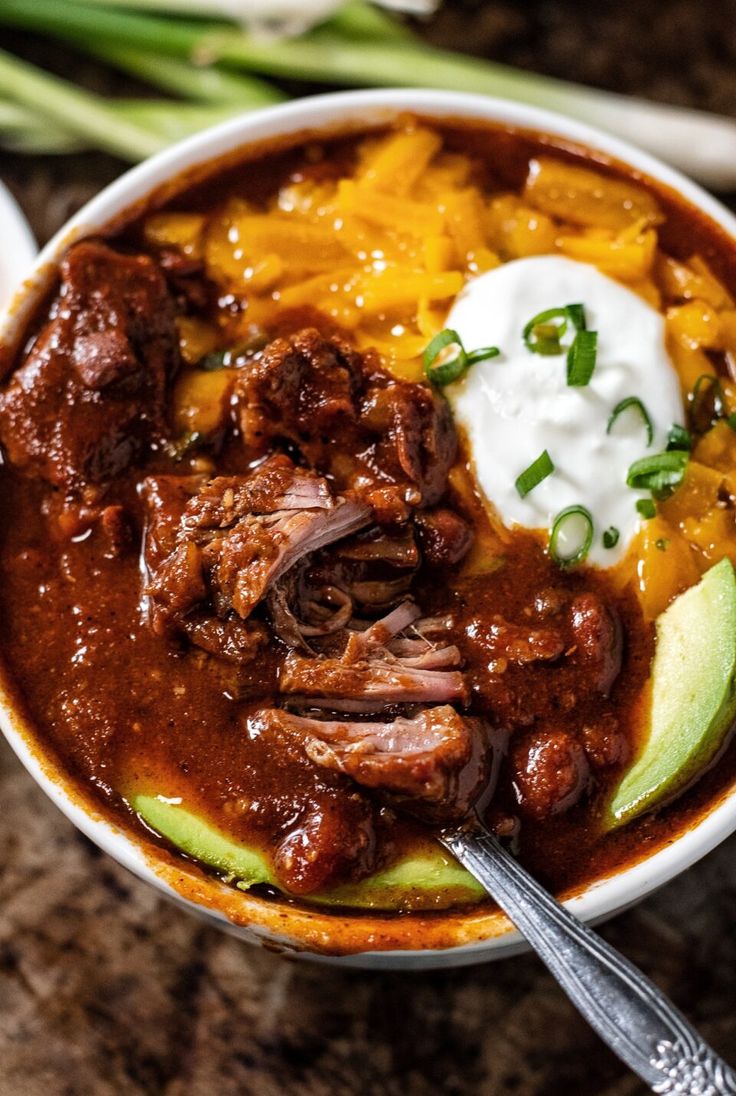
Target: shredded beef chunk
x=389, y=442
x=436, y=761
x=90, y=392
x=219, y=550
x=394, y=661
x=321, y=827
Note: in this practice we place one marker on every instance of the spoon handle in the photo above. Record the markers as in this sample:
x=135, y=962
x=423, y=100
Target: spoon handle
x=629, y=1012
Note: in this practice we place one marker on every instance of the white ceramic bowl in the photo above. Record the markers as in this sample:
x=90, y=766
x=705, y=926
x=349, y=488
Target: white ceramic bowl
x=19, y=248
x=413, y=941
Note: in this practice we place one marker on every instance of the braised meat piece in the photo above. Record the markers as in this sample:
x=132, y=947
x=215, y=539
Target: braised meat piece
x=90, y=392
x=369, y=572
x=582, y=630
x=550, y=772
x=225, y=545
x=598, y=638
x=322, y=829
x=436, y=760
x=302, y=387
x=389, y=442
x=394, y=661
x=332, y=842
x=164, y=499
x=444, y=537
x=520, y=643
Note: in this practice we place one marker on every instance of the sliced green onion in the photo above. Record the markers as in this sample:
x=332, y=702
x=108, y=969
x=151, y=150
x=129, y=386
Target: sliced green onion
x=544, y=331
x=532, y=476
x=611, y=537
x=706, y=403
x=661, y=543
x=571, y=536
x=679, y=438
x=456, y=364
x=581, y=358
x=482, y=354
x=576, y=313
x=542, y=335
x=624, y=405
x=731, y=420
x=661, y=473
x=646, y=508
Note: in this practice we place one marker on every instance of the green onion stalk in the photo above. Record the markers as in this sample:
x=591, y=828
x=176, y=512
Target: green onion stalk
x=357, y=46
x=40, y=113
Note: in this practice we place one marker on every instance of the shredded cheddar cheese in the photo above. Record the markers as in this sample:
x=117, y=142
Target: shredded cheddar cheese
x=385, y=251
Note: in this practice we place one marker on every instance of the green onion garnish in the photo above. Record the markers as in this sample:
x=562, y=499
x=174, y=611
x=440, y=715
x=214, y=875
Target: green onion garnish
x=646, y=508
x=661, y=543
x=706, y=403
x=532, y=476
x=576, y=312
x=611, y=537
x=731, y=420
x=544, y=331
x=542, y=335
x=571, y=536
x=581, y=358
x=661, y=473
x=679, y=438
x=455, y=365
x=624, y=405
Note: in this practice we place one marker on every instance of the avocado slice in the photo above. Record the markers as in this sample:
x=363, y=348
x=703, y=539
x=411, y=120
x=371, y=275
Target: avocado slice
x=427, y=879
x=693, y=700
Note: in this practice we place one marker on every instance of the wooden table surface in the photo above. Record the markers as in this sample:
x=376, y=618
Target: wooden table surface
x=107, y=989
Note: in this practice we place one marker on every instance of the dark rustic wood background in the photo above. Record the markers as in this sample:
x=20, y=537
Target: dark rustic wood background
x=107, y=989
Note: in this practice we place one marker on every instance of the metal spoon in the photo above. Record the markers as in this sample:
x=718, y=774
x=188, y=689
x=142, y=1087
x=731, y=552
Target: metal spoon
x=629, y=1012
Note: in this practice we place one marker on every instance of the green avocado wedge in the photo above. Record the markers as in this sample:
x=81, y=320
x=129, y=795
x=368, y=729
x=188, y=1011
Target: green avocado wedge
x=693, y=700
x=429, y=879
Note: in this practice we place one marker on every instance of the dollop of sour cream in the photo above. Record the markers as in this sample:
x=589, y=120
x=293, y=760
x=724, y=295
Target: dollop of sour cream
x=517, y=405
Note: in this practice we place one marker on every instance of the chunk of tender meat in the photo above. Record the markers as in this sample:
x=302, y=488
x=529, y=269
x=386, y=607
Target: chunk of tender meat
x=164, y=499
x=236, y=537
x=391, y=662
x=550, y=772
x=394, y=549
x=598, y=636
x=275, y=485
x=330, y=842
x=444, y=537
x=500, y=639
x=418, y=440
x=232, y=639
x=90, y=392
x=390, y=443
x=302, y=386
x=321, y=827
x=375, y=683
x=437, y=760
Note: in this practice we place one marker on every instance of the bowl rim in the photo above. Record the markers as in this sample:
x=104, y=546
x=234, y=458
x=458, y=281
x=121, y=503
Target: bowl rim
x=19, y=245
x=455, y=938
